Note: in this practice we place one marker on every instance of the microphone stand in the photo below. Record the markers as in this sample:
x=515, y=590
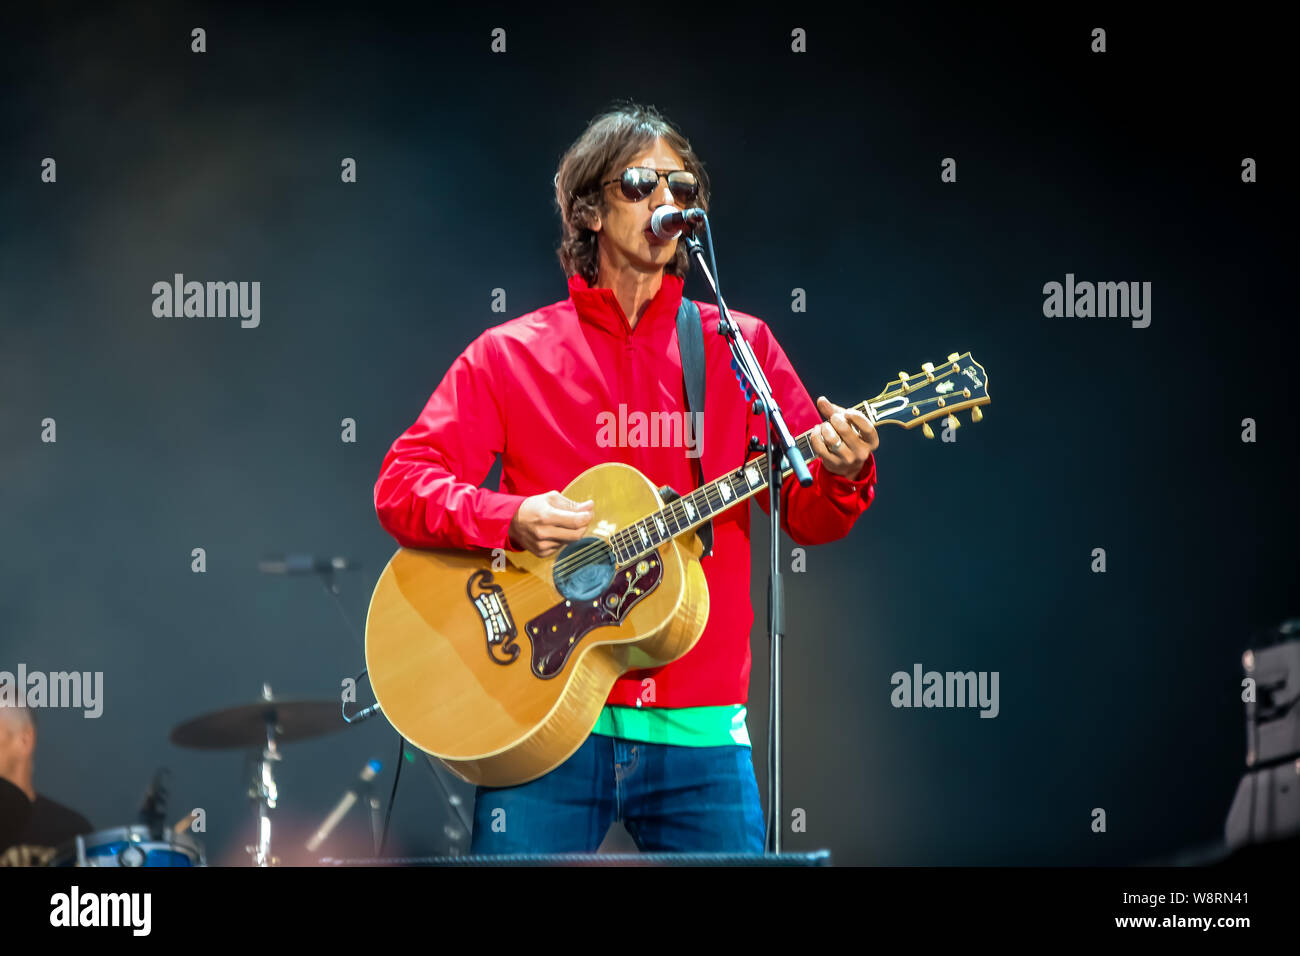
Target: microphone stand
x=780, y=448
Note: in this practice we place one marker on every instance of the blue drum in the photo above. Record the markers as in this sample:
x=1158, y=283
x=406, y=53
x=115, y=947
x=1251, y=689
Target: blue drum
x=130, y=846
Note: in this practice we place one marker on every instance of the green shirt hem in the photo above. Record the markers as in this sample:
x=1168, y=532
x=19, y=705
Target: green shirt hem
x=680, y=726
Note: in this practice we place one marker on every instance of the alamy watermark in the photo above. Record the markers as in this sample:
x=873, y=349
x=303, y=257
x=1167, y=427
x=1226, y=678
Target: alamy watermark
x=637, y=429
x=82, y=690
x=130, y=910
x=948, y=689
x=1085, y=300
x=181, y=299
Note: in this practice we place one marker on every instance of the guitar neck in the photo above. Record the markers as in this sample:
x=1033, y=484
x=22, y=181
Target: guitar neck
x=692, y=510
x=910, y=401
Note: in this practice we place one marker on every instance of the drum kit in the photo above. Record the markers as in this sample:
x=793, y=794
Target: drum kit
x=135, y=845
x=260, y=728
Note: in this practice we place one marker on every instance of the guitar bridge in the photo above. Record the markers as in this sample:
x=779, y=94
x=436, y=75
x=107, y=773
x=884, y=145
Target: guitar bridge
x=498, y=623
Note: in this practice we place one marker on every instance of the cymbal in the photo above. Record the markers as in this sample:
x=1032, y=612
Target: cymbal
x=244, y=727
x=15, y=810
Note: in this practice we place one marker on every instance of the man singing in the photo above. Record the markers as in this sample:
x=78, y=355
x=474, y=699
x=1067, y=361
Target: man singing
x=669, y=755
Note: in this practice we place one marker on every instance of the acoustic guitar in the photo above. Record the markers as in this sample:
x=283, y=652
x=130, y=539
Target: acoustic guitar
x=498, y=663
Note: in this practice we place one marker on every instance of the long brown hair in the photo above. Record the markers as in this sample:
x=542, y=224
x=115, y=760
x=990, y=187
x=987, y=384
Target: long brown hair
x=599, y=154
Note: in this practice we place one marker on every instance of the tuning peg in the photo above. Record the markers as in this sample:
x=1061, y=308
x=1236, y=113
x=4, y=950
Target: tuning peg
x=927, y=367
x=952, y=422
x=976, y=415
x=903, y=377
x=927, y=431
x=952, y=357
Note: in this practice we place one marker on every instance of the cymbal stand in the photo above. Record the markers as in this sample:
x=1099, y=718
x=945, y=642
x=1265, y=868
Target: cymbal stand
x=262, y=788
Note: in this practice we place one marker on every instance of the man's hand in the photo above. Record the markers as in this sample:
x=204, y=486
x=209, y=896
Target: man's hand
x=845, y=440
x=545, y=523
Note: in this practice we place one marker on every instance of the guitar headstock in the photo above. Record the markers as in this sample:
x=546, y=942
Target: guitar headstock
x=937, y=391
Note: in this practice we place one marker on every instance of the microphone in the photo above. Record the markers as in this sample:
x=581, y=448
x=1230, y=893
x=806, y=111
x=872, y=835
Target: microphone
x=668, y=222
x=366, y=714
x=368, y=773
x=305, y=564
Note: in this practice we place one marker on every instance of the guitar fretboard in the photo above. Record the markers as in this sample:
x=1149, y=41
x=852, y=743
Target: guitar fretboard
x=692, y=510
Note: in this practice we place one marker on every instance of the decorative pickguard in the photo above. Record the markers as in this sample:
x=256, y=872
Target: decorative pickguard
x=498, y=622
x=556, y=631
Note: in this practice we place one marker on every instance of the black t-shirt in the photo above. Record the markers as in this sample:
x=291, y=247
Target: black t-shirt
x=50, y=826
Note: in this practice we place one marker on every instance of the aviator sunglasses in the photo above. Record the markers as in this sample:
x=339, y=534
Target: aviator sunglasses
x=637, y=182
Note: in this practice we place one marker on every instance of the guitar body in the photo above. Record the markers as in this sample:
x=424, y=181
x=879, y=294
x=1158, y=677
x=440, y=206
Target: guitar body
x=499, y=674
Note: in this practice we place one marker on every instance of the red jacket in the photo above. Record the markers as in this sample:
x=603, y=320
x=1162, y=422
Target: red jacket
x=533, y=390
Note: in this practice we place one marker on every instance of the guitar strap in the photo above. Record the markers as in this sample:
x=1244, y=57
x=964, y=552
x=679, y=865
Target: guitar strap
x=690, y=339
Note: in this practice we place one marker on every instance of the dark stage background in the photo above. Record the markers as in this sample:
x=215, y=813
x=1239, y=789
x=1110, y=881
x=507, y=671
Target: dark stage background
x=1117, y=691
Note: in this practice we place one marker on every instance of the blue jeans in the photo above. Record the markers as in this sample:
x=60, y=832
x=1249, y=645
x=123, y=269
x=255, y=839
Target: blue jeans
x=670, y=798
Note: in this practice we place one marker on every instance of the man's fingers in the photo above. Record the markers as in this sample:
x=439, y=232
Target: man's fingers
x=562, y=512
x=862, y=428
x=859, y=420
x=563, y=535
x=844, y=434
x=827, y=407
x=851, y=427
x=837, y=424
x=854, y=415
x=845, y=440
x=551, y=540
x=561, y=503
x=577, y=520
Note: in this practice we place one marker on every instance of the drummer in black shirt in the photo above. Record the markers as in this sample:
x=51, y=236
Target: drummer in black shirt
x=32, y=826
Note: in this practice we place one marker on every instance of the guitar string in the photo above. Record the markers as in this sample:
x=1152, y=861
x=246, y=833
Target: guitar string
x=675, y=511
x=718, y=505
x=597, y=553
x=712, y=496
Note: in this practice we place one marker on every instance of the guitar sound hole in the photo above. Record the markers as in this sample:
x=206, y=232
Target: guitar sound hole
x=584, y=569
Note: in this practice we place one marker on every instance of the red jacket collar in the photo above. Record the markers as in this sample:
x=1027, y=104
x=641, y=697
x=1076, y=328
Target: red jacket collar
x=600, y=306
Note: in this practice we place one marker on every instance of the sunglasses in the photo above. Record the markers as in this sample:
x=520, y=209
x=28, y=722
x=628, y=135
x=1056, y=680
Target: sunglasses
x=637, y=182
